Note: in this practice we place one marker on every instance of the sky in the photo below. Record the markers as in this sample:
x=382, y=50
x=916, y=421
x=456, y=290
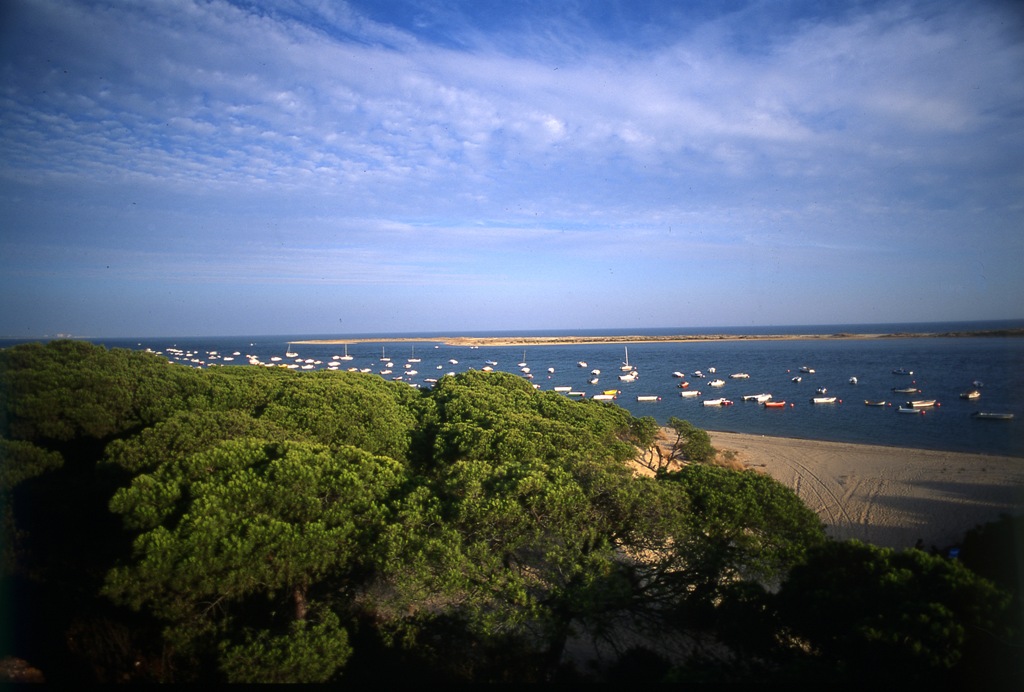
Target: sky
x=200, y=168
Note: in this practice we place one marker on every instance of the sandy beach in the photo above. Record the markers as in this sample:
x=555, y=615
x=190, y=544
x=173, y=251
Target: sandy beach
x=887, y=496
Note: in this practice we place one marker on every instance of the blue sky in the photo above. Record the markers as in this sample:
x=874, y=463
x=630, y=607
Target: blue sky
x=181, y=168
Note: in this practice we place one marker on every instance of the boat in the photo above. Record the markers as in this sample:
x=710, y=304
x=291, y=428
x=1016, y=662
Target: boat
x=581, y=364
x=490, y=362
x=822, y=391
x=562, y=389
x=592, y=380
x=683, y=385
x=922, y=403
x=382, y=356
x=689, y=394
x=875, y=402
x=575, y=393
x=716, y=383
x=901, y=371
x=804, y=368
x=774, y=404
x=987, y=415
x=698, y=374
x=595, y=371
x=290, y=353
x=853, y=380
x=760, y=398
x=603, y=397
x=971, y=394
x=717, y=402
x=628, y=377
x=978, y=383
x=611, y=392
x=678, y=374
x=346, y=356
x=910, y=409
x=648, y=397
x=551, y=371
x=625, y=365
x=798, y=379
x=823, y=400
x=739, y=376
x=906, y=390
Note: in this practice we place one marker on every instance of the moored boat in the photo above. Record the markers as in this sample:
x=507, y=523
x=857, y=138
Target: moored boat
x=717, y=402
x=910, y=409
x=922, y=403
x=906, y=390
x=775, y=404
x=875, y=402
x=987, y=415
x=971, y=394
x=739, y=376
x=689, y=394
x=823, y=400
x=716, y=383
x=648, y=397
x=603, y=397
x=760, y=398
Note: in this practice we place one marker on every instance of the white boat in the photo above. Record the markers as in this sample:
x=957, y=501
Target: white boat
x=383, y=357
x=689, y=394
x=678, y=374
x=972, y=394
x=346, y=356
x=412, y=357
x=626, y=366
x=985, y=415
x=575, y=393
x=563, y=389
x=628, y=377
x=717, y=402
x=603, y=397
x=804, y=368
x=853, y=380
x=290, y=353
x=822, y=391
x=524, y=369
x=922, y=403
x=759, y=398
x=798, y=379
x=698, y=374
x=716, y=383
x=491, y=362
x=648, y=397
x=581, y=364
x=595, y=371
x=910, y=409
x=592, y=380
x=739, y=376
x=823, y=400
x=551, y=371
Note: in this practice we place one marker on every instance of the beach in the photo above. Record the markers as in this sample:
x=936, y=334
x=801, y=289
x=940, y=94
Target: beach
x=888, y=496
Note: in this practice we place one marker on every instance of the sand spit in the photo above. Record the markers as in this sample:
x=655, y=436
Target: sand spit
x=640, y=338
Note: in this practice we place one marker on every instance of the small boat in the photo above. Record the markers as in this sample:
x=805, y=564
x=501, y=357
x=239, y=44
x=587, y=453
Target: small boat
x=595, y=371
x=678, y=374
x=906, y=390
x=823, y=400
x=611, y=392
x=716, y=383
x=551, y=371
x=972, y=394
x=910, y=409
x=739, y=376
x=797, y=379
x=581, y=364
x=853, y=380
x=698, y=374
x=603, y=397
x=760, y=398
x=878, y=402
x=806, y=369
x=346, y=356
x=978, y=383
x=901, y=371
x=490, y=362
x=689, y=394
x=775, y=404
x=625, y=365
x=822, y=391
x=717, y=402
x=986, y=415
x=563, y=389
x=592, y=380
x=579, y=394
x=922, y=403
x=683, y=385
x=647, y=397
x=628, y=377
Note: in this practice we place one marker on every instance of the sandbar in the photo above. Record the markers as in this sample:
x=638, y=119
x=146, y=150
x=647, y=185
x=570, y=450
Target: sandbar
x=888, y=496
x=641, y=338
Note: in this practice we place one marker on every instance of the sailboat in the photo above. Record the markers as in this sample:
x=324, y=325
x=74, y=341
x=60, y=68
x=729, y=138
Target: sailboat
x=346, y=356
x=523, y=364
x=382, y=356
x=413, y=358
x=290, y=353
x=625, y=367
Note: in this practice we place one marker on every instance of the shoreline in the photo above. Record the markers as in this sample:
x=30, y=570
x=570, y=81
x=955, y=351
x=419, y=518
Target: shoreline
x=891, y=497
x=640, y=338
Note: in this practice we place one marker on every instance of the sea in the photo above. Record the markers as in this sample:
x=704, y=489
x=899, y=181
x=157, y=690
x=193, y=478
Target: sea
x=941, y=367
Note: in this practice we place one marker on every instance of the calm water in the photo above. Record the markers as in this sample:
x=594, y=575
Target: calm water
x=942, y=367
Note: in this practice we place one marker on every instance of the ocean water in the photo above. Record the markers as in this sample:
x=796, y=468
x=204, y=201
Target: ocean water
x=942, y=367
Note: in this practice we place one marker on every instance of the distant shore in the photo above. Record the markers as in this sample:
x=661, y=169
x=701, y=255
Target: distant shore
x=642, y=338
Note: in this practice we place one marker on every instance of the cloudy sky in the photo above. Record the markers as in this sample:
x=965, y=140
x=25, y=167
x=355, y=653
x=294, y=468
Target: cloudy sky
x=181, y=167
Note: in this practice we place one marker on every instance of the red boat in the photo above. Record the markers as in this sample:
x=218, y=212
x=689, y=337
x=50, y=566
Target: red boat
x=775, y=404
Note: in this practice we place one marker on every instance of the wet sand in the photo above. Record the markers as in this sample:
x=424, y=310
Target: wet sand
x=888, y=496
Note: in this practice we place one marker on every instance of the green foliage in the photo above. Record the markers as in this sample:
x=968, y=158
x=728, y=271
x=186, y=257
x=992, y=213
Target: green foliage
x=741, y=525
x=877, y=614
x=692, y=442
